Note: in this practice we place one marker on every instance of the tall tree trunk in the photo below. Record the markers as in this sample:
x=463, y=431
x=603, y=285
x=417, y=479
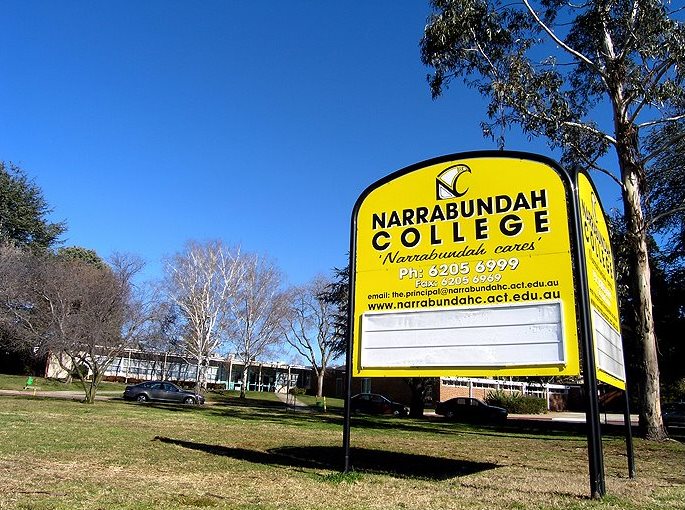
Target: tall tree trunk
x=243, y=386
x=89, y=390
x=418, y=387
x=319, y=382
x=648, y=383
x=198, y=374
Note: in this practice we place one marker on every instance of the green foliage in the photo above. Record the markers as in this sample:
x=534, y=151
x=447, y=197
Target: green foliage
x=24, y=211
x=675, y=391
x=337, y=294
x=76, y=253
x=517, y=403
x=666, y=205
x=297, y=391
x=553, y=85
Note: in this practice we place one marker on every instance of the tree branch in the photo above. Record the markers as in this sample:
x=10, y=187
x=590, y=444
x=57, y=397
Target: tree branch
x=561, y=43
x=590, y=129
x=666, y=214
x=661, y=147
x=661, y=121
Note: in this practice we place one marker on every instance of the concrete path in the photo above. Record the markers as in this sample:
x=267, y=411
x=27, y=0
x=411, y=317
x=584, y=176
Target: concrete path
x=291, y=401
x=574, y=417
x=67, y=395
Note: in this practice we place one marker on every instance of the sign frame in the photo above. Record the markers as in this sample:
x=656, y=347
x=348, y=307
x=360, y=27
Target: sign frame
x=570, y=359
x=577, y=253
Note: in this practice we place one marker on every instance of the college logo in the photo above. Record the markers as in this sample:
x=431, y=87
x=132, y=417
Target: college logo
x=447, y=182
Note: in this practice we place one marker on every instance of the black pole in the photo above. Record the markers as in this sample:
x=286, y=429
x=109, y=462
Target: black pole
x=592, y=419
x=629, y=436
x=348, y=351
x=348, y=396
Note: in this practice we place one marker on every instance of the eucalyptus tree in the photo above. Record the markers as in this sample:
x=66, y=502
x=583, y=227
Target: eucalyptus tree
x=593, y=78
x=200, y=282
x=310, y=326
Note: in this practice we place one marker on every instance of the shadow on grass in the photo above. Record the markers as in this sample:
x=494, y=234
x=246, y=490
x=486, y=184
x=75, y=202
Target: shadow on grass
x=277, y=413
x=541, y=430
x=404, y=465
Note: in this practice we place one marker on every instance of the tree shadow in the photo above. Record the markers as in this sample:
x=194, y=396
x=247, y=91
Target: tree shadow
x=431, y=425
x=276, y=413
x=403, y=465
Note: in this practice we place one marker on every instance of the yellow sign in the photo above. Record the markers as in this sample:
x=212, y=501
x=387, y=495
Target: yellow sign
x=462, y=267
x=599, y=263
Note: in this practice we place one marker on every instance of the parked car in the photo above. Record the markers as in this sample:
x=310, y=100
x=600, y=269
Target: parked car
x=373, y=403
x=470, y=410
x=161, y=391
x=673, y=415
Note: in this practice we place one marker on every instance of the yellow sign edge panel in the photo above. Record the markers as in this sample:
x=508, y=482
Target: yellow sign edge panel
x=600, y=272
x=563, y=188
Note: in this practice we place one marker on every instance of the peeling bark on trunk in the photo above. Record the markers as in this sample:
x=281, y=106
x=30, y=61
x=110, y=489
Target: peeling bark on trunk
x=243, y=386
x=201, y=379
x=319, y=383
x=649, y=391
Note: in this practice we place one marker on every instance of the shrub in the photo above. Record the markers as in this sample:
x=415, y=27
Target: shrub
x=517, y=403
x=675, y=391
x=297, y=391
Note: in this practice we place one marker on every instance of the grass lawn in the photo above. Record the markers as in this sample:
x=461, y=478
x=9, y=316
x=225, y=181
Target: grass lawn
x=59, y=454
x=17, y=382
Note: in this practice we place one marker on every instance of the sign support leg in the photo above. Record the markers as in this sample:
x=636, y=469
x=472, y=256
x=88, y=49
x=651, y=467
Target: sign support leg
x=594, y=435
x=348, y=397
x=592, y=419
x=629, y=436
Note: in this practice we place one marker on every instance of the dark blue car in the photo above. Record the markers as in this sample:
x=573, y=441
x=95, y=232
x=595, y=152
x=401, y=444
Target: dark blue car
x=471, y=410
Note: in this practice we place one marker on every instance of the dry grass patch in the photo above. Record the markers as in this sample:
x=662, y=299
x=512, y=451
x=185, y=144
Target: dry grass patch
x=113, y=455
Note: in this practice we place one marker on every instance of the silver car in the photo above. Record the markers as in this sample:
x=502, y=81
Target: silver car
x=161, y=391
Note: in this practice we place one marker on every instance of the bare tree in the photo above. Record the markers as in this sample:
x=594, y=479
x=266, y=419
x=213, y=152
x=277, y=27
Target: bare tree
x=14, y=276
x=201, y=281
x=83, y=314
x=310, y=326
x=258, y=310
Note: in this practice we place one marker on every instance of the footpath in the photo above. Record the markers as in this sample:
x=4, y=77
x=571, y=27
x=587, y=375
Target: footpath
x=66, y=395
x=291, y=401
x=288, y=400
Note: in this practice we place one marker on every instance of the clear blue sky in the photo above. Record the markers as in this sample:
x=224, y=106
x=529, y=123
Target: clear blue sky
x=147, y=124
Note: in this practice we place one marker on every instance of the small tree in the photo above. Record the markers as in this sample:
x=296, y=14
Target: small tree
x=310, y=326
